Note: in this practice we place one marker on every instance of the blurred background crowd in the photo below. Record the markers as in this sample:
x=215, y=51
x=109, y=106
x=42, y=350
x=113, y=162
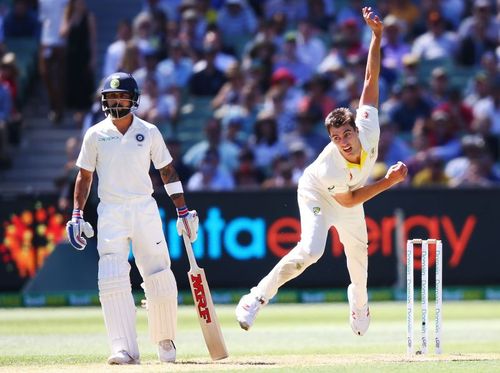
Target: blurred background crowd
x=240, y=88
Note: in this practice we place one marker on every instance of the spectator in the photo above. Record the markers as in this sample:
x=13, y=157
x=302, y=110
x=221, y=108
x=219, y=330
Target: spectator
x=79, y=29
x=439, y=87
x=288, y=58
x=230, y=92
x=413, y=105
x=479, y=89
x=223, y=61
x=210, y=175
x=190, y=32
x=142, y=27
x=349, y=12
x=391, y=148
x=228, y=152
x=174, y=146
x=292, y=10
x=116, y=50
x=282, y=175
x=310, y=49
x=209, y=80
x=239, y=23
x=306, y=134
x=285, y=117
x=489, y=107
x=247, y=175
x=393, y=48
x=259, y=61
x=9, y=74
x=321, y=13
x=265, y=141
x=460, y=113
x=21, y=21
x=233, y=123
x=410, y=70
x=443, y=140
x=299, y=159
x=316, y=96
x=283, y=97
x=132, y=59
x=157, y=107
x=150, y=69
x=431, y=175
x=436, y=43
x=404, y=10
x=95, y=113
x=52, y=60
x=177, y=68
x=478, y=33
x=473, y=148
x=5, y=109
x=65, y=182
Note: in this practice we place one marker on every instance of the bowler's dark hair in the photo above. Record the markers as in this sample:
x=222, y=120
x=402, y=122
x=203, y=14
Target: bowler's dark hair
x=340, y=116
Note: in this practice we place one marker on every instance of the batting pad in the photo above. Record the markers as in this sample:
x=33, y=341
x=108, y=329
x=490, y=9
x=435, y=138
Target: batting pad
x=118, y=307
x=161, y=293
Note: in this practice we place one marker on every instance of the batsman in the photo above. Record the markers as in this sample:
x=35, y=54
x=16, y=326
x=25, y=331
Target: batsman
x=331, y=192
x=120, y=149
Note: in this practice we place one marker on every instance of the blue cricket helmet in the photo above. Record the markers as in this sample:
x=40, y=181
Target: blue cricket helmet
x=120, y=82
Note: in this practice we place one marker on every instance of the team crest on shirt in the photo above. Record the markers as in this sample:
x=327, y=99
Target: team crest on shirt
x=365, y=115
x=139, y=137
x=316, y=211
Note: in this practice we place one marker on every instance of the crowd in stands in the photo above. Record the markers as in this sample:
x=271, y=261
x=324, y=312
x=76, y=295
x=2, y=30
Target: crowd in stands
x=240, y=88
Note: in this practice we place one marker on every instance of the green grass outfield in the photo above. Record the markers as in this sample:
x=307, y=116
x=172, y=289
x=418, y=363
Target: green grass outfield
x=286, y=338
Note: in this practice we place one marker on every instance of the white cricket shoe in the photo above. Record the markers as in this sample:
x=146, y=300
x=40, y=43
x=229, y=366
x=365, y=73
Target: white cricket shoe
x=247, y=308
x=122, y=358
x=166, y=351
x=358, y=318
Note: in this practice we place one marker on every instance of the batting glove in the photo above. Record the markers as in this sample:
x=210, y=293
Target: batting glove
x=76, y=228
x=187, y=222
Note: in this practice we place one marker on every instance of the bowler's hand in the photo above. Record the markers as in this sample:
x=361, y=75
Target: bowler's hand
x=396, y=173
x=187, y=222
x=373, y=21
x=76, y=228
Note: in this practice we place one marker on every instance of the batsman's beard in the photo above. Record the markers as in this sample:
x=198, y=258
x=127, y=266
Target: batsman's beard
x=118, y=112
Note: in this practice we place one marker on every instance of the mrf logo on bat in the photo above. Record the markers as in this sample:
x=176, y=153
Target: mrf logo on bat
x=200, y=298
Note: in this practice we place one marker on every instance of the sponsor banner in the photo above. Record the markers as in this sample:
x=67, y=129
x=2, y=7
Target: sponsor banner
x=233, y=296
x=243, y=234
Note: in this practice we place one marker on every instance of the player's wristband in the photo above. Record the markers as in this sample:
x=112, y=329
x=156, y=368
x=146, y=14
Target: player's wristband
x=174, y=188
x=182, y=212
x=77, y=214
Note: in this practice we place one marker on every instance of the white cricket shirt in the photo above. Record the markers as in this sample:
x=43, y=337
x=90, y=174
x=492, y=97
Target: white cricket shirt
x=122, y=162
x=331, y=173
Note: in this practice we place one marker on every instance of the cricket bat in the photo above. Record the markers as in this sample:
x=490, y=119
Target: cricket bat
x=207, y=317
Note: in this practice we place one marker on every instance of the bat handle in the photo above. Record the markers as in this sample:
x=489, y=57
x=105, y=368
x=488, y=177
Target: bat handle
x=190, y=253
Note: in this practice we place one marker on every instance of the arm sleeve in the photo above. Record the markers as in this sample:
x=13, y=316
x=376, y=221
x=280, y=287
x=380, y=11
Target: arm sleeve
x=339, y=188
x=87, y=159
x=159, y=152
x=368, y=124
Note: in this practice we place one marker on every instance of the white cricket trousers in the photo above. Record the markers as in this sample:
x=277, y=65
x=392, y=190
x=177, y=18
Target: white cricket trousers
x=317, y=215
x=135, y=221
